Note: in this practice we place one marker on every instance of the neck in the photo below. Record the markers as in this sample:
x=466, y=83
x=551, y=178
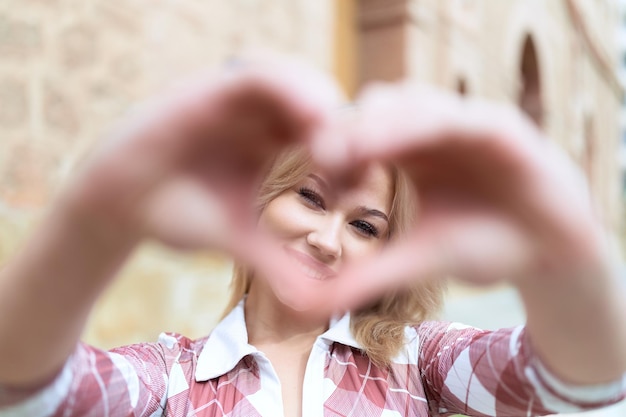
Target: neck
x=269, y=321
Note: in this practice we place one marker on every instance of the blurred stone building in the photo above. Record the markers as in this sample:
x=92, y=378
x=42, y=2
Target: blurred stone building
x=70, y=68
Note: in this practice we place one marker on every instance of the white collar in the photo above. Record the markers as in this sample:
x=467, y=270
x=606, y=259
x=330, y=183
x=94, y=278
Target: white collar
x=228, y=343
x=339, y=332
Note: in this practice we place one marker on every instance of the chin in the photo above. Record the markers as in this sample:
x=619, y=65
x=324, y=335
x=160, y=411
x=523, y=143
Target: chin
x=302, y=297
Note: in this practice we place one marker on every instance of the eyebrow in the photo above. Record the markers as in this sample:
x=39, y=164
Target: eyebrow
x=319, y=180
x=373, y=212
x=361, y=209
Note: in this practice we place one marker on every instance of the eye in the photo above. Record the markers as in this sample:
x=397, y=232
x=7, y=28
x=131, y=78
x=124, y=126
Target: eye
x=312, y=198
x=365, y=228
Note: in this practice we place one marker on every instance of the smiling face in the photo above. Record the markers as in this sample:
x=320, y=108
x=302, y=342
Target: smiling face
x=322, y=225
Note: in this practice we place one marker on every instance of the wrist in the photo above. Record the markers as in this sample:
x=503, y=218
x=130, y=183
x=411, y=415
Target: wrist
x=93, y=217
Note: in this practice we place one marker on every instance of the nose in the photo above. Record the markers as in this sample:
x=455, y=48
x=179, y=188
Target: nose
x=326, y=237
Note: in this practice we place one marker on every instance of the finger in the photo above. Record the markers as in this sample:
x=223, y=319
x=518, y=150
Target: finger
x=184, y=216
x=289, y=282
x=480, y=251
x=434, y=133
x=264, y=102
x=398, y=119
x=383, y=114
x=272, y=103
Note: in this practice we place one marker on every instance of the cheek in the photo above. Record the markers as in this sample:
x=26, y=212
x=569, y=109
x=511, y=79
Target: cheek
x=364, y=249
x=284, y=217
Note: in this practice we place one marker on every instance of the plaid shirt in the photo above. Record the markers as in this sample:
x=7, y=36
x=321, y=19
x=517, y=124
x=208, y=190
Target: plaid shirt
x=444, y=369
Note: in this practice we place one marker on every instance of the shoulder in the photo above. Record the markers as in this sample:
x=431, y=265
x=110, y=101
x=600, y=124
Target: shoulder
x=448, y=338
x=436, y=329
x=434, y=336
x=169, y=348
x=177, y=342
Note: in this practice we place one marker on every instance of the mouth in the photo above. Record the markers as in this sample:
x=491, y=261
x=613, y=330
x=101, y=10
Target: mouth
x=310, y=266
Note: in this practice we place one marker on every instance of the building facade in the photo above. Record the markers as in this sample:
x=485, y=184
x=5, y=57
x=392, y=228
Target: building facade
x=70, y=68
x=555, y=59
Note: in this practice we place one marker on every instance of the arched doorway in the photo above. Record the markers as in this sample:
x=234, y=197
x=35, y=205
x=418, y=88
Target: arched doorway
x=461, y=86
x=529, y=98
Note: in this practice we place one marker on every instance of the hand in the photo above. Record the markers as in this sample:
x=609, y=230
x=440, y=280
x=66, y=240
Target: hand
x=183, y=169
x=497, y=200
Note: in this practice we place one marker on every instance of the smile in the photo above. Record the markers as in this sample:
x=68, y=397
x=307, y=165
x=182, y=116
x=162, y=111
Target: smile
x=310, y=266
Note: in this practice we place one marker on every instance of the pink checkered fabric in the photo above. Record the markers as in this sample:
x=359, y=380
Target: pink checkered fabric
x=444, y=369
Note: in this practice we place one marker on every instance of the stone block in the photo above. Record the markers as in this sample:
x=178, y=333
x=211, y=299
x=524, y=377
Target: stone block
x=59, y=111
x=19, y=39
x=78, y=47
x=27, y=175
x=14, y=103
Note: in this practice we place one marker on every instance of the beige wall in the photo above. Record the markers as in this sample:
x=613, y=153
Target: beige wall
x=481, y=43
x=69, y=68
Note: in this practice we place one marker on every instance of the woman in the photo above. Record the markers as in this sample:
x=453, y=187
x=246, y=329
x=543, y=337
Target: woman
x=184, y=170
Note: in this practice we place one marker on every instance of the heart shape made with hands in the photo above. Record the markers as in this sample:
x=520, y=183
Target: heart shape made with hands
x=496, y=200
x=491, y=190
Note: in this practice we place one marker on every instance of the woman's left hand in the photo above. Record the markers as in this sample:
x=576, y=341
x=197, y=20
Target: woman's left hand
x=497, y=201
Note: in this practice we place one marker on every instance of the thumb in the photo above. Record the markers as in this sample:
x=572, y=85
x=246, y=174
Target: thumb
x=480, y=252
x=397, y=266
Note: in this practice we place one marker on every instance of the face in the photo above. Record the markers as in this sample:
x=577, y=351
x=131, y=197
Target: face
x=322, y=225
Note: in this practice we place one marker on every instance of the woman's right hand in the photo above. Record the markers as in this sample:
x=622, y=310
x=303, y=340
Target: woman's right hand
x=183, y=170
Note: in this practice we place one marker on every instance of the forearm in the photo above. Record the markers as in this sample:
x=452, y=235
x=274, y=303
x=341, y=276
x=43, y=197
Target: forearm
x=576, y=323
x=48, y=289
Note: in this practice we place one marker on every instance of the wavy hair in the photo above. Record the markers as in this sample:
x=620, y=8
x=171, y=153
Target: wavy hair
x=379, y=327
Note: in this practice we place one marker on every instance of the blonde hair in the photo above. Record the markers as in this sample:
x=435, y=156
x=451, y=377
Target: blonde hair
x=379, y=328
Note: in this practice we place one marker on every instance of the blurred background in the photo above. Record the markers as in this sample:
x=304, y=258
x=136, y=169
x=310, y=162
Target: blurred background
x=70, y=68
